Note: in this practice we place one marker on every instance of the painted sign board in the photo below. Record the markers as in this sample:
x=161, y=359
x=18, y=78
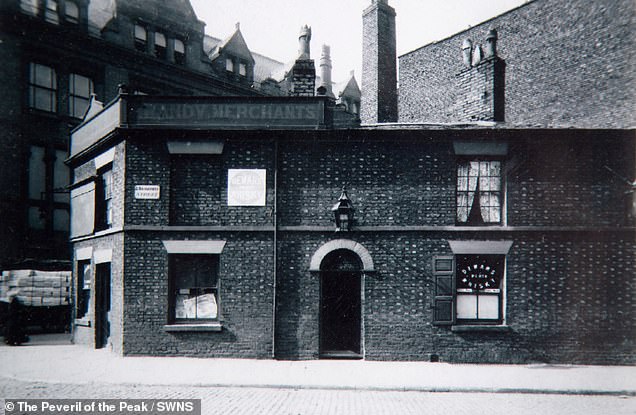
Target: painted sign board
x=246, y=187
x=150, y=192
x=234, y=114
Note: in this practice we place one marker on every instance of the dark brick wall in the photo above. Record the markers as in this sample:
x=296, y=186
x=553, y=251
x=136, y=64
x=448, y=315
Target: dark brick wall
x=557, y=308
x=303, y=78
x=568, y=63
x=246, y=298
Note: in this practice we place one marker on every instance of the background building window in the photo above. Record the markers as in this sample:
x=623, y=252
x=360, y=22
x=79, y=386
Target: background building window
x=84, y=282
x=479, y=192
x=479, y=283
x=229, y=65
x=104, y=199
x=71, y=12
x=242, y=69
x=141, y=38
x=42, y=88
x=194, y=292
x=160, y=45
x=179, y=52
x=80, y=90
x=50, y=12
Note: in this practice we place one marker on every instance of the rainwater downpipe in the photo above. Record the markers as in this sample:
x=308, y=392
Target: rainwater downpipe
x=275, y=243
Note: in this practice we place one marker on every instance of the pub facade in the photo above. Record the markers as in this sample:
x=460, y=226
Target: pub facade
x=279, y=228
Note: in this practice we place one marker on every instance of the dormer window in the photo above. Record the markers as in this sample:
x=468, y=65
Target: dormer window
x=229, y=65
x=141, y=38
x=71, y=12
x=50, y=12
x=242, y=69
x=179, y=52
x=160, y=45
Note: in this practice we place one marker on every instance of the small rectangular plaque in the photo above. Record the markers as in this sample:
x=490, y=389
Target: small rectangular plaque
x=147, y=192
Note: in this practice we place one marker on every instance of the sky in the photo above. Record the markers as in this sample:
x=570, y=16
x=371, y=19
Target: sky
x=271, y=27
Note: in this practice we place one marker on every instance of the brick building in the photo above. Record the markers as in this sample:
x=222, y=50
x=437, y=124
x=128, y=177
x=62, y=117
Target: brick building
x=279, y=228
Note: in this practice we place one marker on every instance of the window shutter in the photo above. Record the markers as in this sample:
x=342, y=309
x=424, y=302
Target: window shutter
x=444, y=300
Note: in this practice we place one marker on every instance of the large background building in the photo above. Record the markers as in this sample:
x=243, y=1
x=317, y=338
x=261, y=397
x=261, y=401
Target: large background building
x=276, y=227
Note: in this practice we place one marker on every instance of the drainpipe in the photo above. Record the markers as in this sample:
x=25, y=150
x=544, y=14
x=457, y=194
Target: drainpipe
x=275, y=258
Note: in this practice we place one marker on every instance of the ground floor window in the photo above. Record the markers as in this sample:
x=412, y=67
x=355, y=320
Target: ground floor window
x=194, y=287
x=469, y=289
x=84, y=281
x=478, y=279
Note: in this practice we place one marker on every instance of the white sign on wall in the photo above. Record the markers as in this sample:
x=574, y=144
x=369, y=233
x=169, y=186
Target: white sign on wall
x=147, y=192
x=246, y=187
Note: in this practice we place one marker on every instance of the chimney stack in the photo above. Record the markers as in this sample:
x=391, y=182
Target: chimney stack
x=379, y=64
x=303, y=73
x=482, y=83
x=325, y=71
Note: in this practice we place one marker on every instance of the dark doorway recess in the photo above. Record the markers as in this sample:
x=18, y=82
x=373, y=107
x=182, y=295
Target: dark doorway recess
x=340, y=306
x=102, y=305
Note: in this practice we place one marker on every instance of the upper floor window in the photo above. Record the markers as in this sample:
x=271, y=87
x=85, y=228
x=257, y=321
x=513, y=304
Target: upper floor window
x=50, y=12
x=141, y=38
x=104, y=198
x=80, y=89
x=229, y=65
x=479, y=192
x=242, y=69
x=71, y=12
x=194, y=287
x=160, y=45
x=179, y=52
x=42, y=88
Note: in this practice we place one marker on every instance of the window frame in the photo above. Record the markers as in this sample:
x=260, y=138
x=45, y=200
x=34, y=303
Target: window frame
x=161, y=50
x=74, y=97
x=460, y=261
x=33, y=87
x=179, y=55
x=68, y=17
x=140, y=43
x=83, y=289
x=501, y=192
x=104, y=198
x=52, y=14
x=173, y=259
x=229, y=64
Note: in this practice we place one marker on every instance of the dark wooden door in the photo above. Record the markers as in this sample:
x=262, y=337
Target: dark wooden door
x=102, y=305
x=340, y=314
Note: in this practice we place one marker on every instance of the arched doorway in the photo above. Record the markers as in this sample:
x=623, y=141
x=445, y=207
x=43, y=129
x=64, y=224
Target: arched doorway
x=341, y=305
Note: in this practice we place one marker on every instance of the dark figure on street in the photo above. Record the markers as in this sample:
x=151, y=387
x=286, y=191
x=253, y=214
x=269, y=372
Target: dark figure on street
x=14, y=329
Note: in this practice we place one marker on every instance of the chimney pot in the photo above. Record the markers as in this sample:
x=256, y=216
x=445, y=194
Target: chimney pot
x=491, y=43
x=467, y=51
x=303, y=42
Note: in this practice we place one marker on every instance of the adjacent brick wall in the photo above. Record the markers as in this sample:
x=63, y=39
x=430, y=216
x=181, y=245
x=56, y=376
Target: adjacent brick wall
x=568, y=63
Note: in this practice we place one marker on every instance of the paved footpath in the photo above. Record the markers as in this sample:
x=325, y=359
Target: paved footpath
x=268, y=401
x=50, y=367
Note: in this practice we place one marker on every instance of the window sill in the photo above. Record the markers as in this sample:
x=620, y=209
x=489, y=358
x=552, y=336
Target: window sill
x=212, y=326
x=83, y=322
x=480, y=328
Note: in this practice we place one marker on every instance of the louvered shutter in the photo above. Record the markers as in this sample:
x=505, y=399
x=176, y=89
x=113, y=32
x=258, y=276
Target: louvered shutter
x=444, y=300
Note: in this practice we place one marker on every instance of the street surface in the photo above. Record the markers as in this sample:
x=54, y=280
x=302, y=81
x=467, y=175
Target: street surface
x=266, y=401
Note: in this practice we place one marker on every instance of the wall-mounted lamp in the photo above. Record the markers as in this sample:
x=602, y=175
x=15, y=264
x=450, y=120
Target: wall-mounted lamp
x=343, y=212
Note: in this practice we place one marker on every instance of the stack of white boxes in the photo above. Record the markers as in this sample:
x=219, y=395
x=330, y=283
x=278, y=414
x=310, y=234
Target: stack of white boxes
x=36, y=288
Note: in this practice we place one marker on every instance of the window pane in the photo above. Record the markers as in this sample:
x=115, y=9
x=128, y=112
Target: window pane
x=43, y=100
x=81, y=85
x=72, y=11
x=37, y=173
x=50, y=13
x=242, y=69
x=229, y=65
x=160, y=39
x=140, y=33
x=467, y=306
x=488, y=307
x=43, y=76
x=179, y=47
